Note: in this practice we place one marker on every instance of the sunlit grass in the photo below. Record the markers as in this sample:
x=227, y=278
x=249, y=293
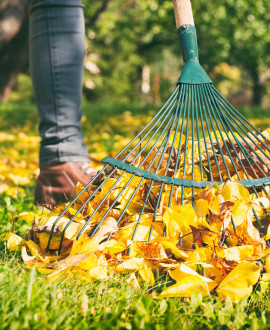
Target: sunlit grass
x=29, y=301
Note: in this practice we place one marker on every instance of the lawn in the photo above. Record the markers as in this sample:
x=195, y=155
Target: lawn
x=28, y=300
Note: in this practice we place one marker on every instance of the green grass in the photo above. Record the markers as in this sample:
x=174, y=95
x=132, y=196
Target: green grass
x=29, y=301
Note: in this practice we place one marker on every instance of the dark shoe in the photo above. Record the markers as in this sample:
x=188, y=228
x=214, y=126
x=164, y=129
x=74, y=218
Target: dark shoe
x=57, y=183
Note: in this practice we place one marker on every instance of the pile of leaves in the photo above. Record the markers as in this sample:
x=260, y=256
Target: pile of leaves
x=214, y=242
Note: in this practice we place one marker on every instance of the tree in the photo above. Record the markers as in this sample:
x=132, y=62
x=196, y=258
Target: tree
x=236, y=32
x=126, y=35
x=13, y=43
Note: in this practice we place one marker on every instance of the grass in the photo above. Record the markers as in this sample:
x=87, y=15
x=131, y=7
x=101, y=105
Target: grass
x=29, y=301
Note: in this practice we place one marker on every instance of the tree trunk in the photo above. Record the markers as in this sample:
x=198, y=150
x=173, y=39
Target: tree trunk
x=13, y=43
x=258, y=86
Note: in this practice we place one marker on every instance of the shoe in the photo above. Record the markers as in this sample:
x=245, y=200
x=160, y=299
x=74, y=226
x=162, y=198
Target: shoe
x=56, y=184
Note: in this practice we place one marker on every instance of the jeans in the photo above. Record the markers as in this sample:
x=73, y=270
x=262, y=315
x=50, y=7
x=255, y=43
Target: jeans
x=56, y=63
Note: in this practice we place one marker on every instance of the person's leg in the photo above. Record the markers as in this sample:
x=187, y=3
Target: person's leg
x=56, y=62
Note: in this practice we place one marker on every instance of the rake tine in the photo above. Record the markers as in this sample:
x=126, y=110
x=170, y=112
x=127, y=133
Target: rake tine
x=233, y=223
x=162, y=111
x=187, y=105
x=209, y=133
x=201, y=105
x=122, y=214
x=227, y=123
x=250, y=146
x=183, y=109
x=265, y=191
x=244, y=151
x=83, y=228
x=210, y=95
x=223, y=123
x=165, y=114
x=236, y=113
x=198, y=132
x=168, y=162
x=142, y=210
x=71, y=203
x=102, y=219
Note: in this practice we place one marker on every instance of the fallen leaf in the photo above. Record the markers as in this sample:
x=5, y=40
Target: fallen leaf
x=239, y=283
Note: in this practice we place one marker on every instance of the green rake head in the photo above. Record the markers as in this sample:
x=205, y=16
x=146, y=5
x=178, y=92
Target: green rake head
x=197, y=139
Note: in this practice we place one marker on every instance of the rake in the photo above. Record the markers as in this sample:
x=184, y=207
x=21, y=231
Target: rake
x=197, y=139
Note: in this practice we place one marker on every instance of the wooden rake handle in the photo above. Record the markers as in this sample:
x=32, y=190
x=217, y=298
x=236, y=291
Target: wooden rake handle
x=183, y=12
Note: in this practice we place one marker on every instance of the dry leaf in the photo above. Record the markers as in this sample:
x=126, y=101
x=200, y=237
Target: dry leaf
x=239, y=283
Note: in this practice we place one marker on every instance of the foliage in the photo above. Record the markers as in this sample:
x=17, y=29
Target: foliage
x=238, y=35
x=125, y=36
x=129, y=34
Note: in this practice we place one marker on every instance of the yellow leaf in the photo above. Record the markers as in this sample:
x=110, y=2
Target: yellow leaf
x=108, y=227
x=147, y=274
x=239, y=283
x=54, y=243
x=211, y=272
x=26, y=216
x=201, y=208
x=234, y=191
x=56, y=275
x=259, y=205
x=70, y=261
x=15, y=191
x=238, y=253
x=136, y=206
x=171, y=248
x=98, y=272
x=125, y=234
x=267, y=264
x=50, y=219
x=112, y=246
x=186, y=287
x=182, y=271
x=267, y=236
x=239, y=212
x=72, y=230
x=266, y=277
x=33, y=248
x=79, y=217
x=128, y=190
x=45, y=271
x=252, y=234
x=133, y=264
x=26, y=258
x=147, y=250
x=242, y=176
x=19, y=176
x=178, y=223
x=84, y=245
x=14, y=241
x=88, y=262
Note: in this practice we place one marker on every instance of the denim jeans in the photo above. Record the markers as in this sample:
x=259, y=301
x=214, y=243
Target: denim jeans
x=56, y=63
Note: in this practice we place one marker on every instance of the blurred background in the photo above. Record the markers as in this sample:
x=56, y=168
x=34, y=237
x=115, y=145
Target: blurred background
x=133, y=54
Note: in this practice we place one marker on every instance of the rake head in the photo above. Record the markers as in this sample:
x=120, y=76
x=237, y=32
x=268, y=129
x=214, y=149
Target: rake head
x=196, y=140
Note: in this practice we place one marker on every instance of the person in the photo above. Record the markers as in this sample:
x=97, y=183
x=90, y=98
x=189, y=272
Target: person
x=56, y=47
